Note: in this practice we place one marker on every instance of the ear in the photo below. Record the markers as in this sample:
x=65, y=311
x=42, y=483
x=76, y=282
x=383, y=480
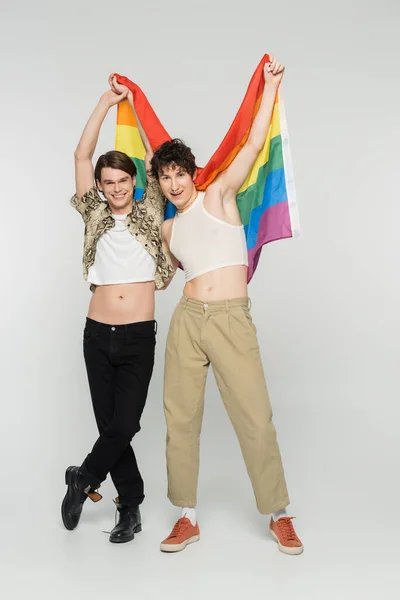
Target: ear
x=98, y=184
x=194, y=175
x=134, y=180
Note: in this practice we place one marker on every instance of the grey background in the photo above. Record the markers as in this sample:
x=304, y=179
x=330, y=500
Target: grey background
x=326, y=305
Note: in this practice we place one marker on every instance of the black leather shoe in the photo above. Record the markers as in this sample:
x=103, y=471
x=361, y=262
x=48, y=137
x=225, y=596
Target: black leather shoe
x=77, y=492
x=129, y=523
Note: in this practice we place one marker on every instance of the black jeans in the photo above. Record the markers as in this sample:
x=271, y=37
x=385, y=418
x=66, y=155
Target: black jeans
x=119, y=363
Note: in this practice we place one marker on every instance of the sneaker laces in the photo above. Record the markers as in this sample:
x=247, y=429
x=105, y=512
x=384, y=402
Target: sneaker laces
x=286, y=528
x=180, y=527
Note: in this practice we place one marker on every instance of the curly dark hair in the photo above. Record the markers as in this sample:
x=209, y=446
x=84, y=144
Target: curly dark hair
x=115, y=160
x=173, y=154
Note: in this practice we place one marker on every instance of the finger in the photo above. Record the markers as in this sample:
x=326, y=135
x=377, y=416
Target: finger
x=277, y=66
x=116, y=85
x=121, y=96
x=273, y=65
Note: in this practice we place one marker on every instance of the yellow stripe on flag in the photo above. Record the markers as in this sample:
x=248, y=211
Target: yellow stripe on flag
x=263, y=157
x=128, y=141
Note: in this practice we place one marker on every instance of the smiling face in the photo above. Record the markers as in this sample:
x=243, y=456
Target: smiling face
x=177, y=185
x=174, y=165
x=118, y=187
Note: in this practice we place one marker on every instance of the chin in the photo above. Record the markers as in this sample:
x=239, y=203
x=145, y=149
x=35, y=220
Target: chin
x=178, y=202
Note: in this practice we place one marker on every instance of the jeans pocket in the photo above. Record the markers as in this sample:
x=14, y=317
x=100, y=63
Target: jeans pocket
x=88, y=334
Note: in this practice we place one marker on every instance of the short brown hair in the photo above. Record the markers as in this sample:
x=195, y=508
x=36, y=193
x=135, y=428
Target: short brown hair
x=114, y=160
x=173, y=153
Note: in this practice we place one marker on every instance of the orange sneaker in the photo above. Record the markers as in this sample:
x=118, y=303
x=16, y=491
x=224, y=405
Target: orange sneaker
x=182, y=534
x=283, y=532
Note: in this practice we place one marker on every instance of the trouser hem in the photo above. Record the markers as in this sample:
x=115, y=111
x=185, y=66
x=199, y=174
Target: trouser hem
x=130, y=502
x=182, y=503
x=91, y=479
x=267, y=509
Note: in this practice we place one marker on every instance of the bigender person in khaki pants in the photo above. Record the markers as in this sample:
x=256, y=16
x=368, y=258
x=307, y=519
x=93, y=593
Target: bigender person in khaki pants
x=212, y=325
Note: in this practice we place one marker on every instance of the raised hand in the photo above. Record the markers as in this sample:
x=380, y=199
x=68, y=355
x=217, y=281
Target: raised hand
x=110, y=98
x=273, y=72
x=116, y=87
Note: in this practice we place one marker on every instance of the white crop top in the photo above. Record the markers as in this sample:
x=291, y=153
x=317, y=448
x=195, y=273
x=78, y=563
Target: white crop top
x=203, y=243
x=120, y=258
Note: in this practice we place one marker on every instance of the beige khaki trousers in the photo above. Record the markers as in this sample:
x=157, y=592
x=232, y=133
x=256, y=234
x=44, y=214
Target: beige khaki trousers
x=221, y=334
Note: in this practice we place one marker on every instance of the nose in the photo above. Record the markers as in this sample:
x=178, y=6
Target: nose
x=117, y=187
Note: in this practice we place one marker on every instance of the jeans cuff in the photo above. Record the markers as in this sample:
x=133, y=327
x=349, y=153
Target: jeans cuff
x=91, y=479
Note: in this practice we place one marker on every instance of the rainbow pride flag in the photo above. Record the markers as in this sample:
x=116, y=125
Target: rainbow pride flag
x=267, y=199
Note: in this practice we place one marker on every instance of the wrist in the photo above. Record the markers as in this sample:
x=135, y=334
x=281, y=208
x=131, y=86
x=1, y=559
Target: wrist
x=271, y=86
x=103, y=104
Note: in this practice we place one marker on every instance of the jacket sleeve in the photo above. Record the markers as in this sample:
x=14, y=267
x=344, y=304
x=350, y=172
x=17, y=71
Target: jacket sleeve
x=89, y=202
x=154, y=197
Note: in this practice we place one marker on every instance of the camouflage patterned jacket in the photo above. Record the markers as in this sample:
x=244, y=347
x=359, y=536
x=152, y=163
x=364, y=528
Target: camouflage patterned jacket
x=143, y=222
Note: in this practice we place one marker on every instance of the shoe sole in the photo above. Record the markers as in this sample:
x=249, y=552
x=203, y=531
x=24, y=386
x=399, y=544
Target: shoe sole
x=138, y=529
x=179, y=547
x=286, y=549
x=67, y=524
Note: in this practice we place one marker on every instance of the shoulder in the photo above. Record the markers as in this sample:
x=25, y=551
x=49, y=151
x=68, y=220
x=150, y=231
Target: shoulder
x=91, y=194
x=166, y=230
x=167, y=225
x=88, y=201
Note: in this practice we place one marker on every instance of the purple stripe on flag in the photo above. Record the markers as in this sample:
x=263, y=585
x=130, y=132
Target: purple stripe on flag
x=274, y=225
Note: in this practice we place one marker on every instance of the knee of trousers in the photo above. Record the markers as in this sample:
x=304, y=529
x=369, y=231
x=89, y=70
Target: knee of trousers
x=124, y=432
x=261, y=434
x=183, y=433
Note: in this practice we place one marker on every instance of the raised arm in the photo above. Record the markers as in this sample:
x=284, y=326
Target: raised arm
x=120, y=89
x=84, y=172
x=166, y=230
x=231, y=180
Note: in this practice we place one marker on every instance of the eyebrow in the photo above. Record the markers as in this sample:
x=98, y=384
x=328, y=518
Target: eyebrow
x=119, y=180
x=179, y=170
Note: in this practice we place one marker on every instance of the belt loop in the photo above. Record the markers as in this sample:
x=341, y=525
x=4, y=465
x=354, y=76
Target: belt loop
x=227, y=306
x=249, y=304
x=155, y=326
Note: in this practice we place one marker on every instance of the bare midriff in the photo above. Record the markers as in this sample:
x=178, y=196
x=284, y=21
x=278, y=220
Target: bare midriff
x=220, y=284
x=123, y=303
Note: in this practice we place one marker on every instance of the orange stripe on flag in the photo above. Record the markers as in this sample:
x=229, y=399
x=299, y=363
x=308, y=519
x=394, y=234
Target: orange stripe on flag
x=125, y=114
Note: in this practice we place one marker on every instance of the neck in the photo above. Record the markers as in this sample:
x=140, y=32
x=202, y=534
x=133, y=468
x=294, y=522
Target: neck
x=189, y=202
x=124, y=210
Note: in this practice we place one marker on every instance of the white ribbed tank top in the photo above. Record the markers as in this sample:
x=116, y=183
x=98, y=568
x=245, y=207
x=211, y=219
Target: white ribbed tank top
x=203, y=243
